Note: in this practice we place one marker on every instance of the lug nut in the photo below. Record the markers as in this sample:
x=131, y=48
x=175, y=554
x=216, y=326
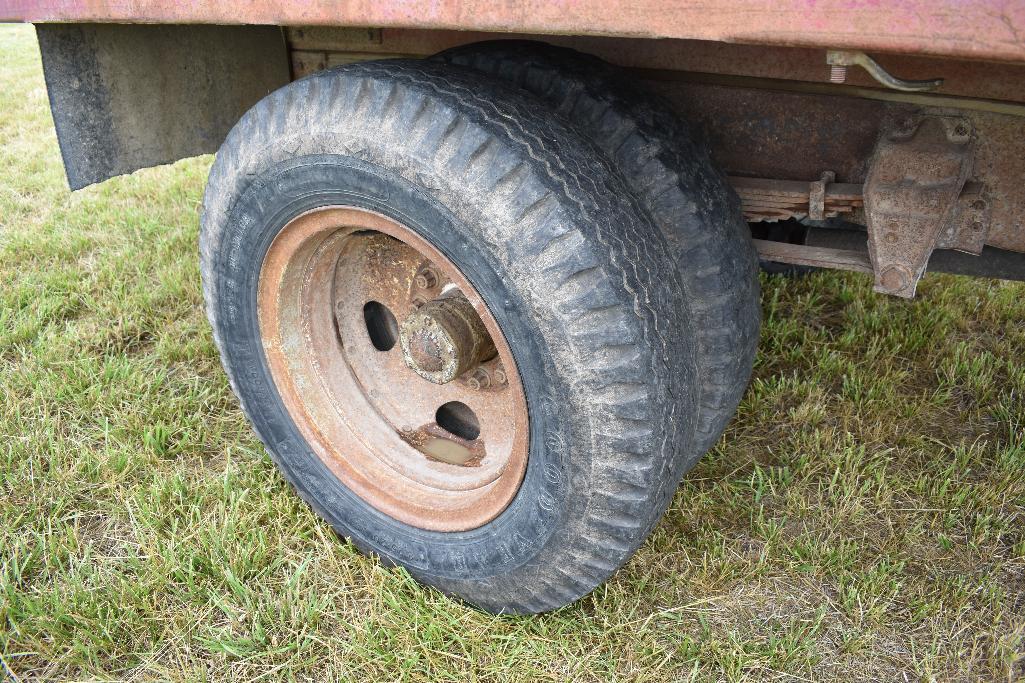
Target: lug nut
x=500, y=375
x=479, y=380
x=426, y=279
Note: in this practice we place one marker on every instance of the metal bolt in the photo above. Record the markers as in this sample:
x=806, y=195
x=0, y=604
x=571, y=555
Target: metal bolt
x=895, y=278
x=891, y=237
x=500, y=376
x=426, y=279
x=837, y=73
x=418, y=302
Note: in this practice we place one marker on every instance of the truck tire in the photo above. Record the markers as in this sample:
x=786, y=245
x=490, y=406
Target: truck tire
x=671, y=174
x=370, y=228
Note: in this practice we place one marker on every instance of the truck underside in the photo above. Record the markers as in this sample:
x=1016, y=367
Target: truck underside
x=806, y=154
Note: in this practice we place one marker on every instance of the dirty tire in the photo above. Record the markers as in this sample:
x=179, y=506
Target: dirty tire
x=672, y=175
x=583, y=285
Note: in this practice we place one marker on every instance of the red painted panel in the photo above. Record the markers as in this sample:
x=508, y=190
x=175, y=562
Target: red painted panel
x=974, y=29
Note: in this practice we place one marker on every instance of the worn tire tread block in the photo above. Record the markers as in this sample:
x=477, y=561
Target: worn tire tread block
x=675, y=180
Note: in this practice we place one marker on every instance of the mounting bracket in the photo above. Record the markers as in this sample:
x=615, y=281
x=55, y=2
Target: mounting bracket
x=913, y=200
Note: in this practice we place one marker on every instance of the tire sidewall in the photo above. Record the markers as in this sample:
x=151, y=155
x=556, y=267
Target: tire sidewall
x=290, y=188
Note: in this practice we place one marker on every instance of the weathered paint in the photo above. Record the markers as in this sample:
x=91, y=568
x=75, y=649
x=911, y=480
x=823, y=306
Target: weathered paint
x=975, y=29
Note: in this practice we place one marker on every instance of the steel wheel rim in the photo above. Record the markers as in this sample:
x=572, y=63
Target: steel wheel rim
x=377, y=424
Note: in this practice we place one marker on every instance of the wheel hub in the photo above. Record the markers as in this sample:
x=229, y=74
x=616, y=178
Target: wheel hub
x=445, y=338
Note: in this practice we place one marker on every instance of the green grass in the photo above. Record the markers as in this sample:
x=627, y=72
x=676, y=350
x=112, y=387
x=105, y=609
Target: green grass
x=862, y=519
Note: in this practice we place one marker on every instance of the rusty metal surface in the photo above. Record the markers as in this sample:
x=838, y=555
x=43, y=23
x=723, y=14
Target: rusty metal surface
x=965, y=79
x=979, y=29
x=786, y=136
x=127, y=97
x=375, y=422
x=911, y=195
x=967, y=228
x=1000, y=167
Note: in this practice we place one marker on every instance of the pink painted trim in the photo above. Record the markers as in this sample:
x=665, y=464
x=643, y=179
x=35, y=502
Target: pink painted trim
x=973, y=29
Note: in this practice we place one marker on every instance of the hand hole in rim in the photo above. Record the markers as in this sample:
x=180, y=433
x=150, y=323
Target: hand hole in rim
x=381, y=325
x=457, y=418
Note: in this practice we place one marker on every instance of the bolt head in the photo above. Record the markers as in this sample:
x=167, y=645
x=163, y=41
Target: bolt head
x=426, y=279
x=895, y=278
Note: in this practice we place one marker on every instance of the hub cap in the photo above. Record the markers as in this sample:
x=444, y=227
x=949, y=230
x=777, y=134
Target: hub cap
x=445, y=338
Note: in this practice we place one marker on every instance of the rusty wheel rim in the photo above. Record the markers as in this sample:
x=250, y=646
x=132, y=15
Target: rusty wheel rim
x=441, y=457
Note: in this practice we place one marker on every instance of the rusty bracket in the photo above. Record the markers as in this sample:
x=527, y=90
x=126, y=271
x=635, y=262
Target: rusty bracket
x=968, y=228
x=912, y=205
x=817, y=196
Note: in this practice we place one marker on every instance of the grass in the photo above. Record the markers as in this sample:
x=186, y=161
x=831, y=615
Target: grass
x=862, y=519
